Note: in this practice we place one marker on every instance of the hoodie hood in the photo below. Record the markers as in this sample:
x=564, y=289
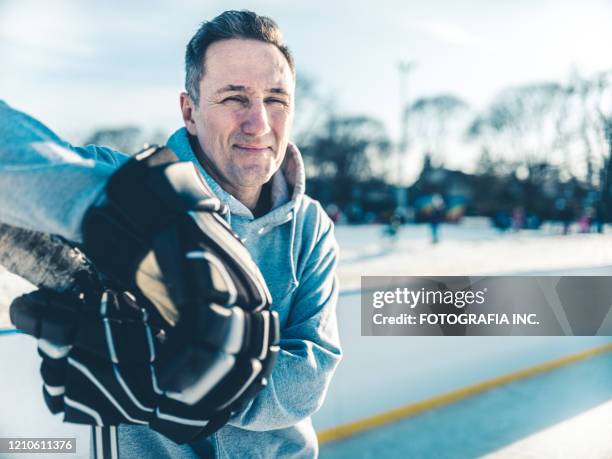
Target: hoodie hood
x=288, y=185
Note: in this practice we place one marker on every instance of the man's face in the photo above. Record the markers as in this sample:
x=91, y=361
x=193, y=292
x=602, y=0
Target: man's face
x=244, y=116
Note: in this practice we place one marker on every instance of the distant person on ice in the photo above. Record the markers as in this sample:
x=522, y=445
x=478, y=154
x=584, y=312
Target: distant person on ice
x=237, y=109
x=436, y=216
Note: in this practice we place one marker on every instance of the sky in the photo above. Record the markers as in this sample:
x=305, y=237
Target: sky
x=79, y=65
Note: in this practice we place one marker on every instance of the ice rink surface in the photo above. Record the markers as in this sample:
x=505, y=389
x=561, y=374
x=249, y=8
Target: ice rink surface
x=22, y=409
x=565, y=413
x=382, y=373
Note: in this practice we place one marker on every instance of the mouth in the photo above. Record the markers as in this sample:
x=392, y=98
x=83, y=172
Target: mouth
x=251, y=148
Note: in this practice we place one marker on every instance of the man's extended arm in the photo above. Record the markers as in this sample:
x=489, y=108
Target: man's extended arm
x=45, y=183
x=167, y=354
x=310, y=348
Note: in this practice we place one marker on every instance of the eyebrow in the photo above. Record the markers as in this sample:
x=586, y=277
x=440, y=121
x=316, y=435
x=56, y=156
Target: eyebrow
x=279, y=91
x=233, y=87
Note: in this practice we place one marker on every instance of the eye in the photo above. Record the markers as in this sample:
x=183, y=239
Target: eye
x=235, y=99
x=274, y=100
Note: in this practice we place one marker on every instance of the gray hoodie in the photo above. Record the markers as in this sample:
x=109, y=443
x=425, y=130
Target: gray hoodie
x=293, y=245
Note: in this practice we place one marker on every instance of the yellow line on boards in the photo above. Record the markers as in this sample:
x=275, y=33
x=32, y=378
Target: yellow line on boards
x=352, y=428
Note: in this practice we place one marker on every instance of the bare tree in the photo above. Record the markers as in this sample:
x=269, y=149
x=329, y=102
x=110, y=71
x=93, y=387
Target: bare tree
x=127, y=139
x=585, y=135
x=312, y=110
x=348, y=150
x=435, y=122
x=521, y=124
x=581, y=128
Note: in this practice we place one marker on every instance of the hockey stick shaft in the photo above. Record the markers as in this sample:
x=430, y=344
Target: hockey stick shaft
x=42, y=259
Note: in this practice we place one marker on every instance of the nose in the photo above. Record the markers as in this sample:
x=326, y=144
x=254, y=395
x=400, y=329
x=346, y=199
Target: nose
x=256, y=122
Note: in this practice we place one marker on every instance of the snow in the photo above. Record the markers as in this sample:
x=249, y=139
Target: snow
x=23, y=412
x=10, y=287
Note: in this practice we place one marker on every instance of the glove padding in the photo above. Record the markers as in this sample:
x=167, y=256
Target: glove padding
x=195, y=343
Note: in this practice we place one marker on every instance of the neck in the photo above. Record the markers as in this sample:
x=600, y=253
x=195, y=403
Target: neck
x=247, y=196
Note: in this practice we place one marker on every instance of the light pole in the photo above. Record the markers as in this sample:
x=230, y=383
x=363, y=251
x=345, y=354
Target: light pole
x=404, y=68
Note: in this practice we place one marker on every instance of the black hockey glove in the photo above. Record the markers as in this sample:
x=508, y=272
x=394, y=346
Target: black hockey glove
x=194, y=341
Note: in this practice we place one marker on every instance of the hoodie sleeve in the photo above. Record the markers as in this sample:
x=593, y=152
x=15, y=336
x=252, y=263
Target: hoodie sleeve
x=46, y=184
x=310, y=345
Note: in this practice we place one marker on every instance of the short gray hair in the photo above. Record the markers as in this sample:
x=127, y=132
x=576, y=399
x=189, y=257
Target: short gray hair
x=230, y=24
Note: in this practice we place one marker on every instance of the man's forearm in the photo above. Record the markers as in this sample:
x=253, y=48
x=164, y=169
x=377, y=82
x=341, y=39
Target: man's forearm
x=310, y=350
x=45, y=183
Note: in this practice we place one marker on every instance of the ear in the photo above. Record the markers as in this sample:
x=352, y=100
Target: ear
x=187, y=110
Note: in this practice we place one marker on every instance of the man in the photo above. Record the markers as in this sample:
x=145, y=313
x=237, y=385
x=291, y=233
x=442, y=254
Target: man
x=238, y=112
